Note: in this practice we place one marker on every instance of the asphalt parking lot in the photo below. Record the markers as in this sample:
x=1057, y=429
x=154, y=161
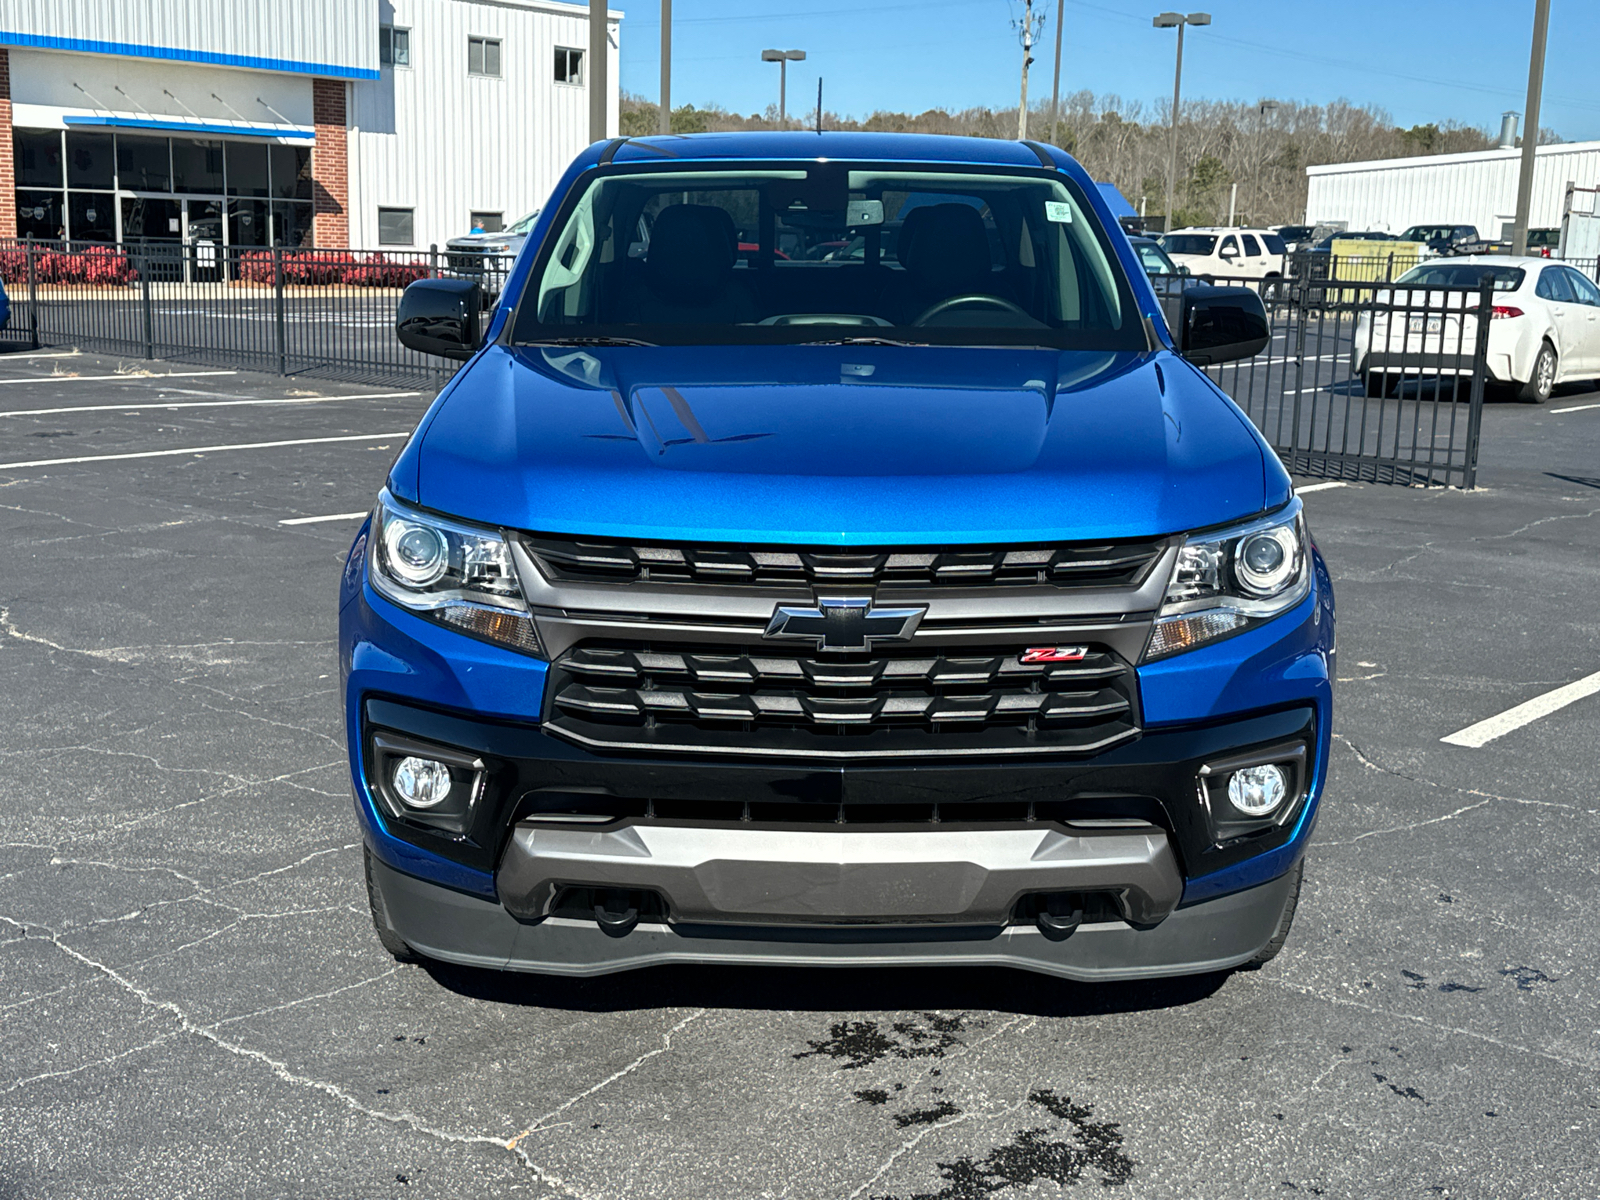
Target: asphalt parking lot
x=194, y=1004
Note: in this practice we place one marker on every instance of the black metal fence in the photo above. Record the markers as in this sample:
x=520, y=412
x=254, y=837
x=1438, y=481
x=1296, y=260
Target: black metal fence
x=1379, y=383
x=327, y=313
x=1362, y=379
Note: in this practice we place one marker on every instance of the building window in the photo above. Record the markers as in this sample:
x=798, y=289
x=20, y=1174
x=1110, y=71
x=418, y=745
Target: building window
x=394, y=46
x=488, y=222
x=394, y=226
x=483, y=56
x=569, y=66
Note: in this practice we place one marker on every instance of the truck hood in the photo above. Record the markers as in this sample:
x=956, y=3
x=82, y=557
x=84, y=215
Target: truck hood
x=837, y=445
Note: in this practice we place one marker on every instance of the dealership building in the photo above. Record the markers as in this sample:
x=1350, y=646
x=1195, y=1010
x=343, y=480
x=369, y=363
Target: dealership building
x=1477, y=188
x=385, y=124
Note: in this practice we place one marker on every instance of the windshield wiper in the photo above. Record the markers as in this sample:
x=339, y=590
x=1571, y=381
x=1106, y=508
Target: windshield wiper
x=587, y=341
x=863, y=341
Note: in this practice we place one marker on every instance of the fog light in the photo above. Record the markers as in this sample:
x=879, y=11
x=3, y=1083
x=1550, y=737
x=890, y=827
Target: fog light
x=1257, y=791
x=421, y=782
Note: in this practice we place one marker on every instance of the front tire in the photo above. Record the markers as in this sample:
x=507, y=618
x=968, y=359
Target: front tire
x=387, y=937
x=1270, y=951
x=1542, y=381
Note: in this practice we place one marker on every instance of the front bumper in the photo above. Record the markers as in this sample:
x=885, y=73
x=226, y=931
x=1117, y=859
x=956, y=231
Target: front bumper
x=1212, y=936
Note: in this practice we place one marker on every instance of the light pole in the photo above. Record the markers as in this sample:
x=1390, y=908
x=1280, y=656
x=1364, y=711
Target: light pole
x=597, y=70
x=1255, y=197
x=1530, y=127
x=664, y=123
x=1055, y=87
x=1172, y=20
x=783, y=58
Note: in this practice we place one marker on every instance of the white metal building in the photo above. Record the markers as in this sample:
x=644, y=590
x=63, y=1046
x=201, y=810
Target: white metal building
x=364, y=123
x=1479, y=189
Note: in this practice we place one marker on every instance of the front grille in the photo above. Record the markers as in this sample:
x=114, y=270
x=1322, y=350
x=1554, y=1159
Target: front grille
x=902, y=702
x=1101, y=564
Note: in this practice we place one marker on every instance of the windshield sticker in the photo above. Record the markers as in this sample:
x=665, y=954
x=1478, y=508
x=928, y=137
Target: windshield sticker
x=1058, y=211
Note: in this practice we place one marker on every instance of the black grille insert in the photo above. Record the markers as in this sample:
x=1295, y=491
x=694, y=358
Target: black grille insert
x=1106, y=564
x=901, y=702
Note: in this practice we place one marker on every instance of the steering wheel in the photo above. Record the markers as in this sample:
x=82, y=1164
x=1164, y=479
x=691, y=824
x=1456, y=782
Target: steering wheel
x=974, y=298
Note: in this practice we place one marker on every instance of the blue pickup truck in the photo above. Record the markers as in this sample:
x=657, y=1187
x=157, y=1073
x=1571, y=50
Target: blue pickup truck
x=926, y=606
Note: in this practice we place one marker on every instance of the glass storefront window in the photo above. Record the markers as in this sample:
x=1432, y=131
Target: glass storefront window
x=247, y=169
x=89, y=160
x=291, y=172
x=196, y=165
x=40, y=215
x=143, y=164
x=291, y=224
x=247, y=222
x=38, y=157
x=92, y=216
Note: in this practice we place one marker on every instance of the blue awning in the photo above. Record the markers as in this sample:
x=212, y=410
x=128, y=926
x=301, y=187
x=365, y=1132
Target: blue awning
x=208, y=129
x=1116, y=201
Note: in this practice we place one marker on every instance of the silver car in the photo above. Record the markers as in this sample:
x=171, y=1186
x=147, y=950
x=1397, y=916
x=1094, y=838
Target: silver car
x=489, y=254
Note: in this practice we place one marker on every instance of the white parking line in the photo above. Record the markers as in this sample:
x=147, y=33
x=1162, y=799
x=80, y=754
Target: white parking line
x=1575, y=408
x=319, y=520
x=94, y=458
x=1484, y=732
x=124, y=378
x=134, y=406
x=1318, y=487
x=42, y=354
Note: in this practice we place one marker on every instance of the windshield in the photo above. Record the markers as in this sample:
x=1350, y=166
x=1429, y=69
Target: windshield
x=1154, y=261
x=828, y=251
x=1506, y=279
x=524, y=224
x=1189, y=243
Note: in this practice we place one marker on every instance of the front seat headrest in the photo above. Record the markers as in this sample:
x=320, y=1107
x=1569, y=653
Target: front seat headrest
x=691, y=254
x=946, y=248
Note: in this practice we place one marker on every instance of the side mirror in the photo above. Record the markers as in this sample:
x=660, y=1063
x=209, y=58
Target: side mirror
x=1185, y=271
x=440, y=316
x=1221, y=324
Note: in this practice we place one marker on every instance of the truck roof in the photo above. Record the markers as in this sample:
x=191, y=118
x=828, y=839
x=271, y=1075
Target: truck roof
x=803, y=146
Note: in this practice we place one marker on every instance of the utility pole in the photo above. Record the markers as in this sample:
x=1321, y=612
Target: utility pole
x=819, y=103
x=1255, y=192
x=1530, y=126
x=783, y=58
x=599, y=61
x=664, y=124
x=1172, y=20
x=1055, y=87
x=1028, y=29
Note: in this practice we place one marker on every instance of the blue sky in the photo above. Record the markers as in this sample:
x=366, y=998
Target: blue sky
x=1423, y=60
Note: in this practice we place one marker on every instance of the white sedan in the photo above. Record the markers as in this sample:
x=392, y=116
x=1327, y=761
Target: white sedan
x=1545, y=329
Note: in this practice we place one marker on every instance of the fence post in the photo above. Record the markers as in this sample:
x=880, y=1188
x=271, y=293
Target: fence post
x=433, y=260
x=1480, y=372
x=144, y=302
x=33, y=297
x=280, y=330
x=1388, y=271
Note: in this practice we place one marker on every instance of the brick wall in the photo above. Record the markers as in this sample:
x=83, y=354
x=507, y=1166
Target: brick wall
x=330, y=221
x=8, y=168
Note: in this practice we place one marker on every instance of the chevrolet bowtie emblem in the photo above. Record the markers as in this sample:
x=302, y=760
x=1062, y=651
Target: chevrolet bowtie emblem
x=845, y=624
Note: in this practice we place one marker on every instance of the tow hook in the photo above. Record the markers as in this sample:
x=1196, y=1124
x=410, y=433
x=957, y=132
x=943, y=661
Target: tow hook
x=1060, y=917
x=617, y=912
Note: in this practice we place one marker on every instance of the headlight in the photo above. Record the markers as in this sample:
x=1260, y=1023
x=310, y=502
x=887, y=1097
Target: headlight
x=457, y=574
x=1225, y=582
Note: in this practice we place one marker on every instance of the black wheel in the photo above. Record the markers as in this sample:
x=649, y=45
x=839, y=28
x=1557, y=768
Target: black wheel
x=1543, y=380
x=392, y=941
x=1270, y=951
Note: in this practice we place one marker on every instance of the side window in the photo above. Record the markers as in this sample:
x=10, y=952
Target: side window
x=1251, y=246
x=1553, y=286
x=1274, y=243
x=1584, y=287
x=569, y=66
x=1230, y=246
x=394, y=46
x=1152, y=261
x=483, y=57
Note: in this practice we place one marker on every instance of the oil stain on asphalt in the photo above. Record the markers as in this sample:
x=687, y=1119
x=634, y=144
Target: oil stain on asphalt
x=862, y=1043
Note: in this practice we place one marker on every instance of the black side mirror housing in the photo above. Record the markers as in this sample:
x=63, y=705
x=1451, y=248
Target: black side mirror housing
x=1221, y=324
x=440, y=316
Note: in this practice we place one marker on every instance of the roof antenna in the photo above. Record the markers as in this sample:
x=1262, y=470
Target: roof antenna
x=819, y=103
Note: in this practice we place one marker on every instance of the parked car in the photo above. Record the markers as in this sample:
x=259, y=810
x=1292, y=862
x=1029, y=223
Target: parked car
x=1545, y=330
x=470, y=253
x=932, y=611
x=1314, y=262
x=1166, y=276
x=5, y=307
x=1445, y=239
x=1295, y=237
x=1546, y=243
x=1227, y=253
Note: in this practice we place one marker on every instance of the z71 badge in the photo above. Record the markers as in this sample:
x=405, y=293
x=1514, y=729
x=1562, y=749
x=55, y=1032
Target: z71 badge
x=1049, y=654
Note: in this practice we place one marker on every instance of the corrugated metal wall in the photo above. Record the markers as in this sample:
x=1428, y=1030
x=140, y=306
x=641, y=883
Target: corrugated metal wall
x=1477, y=189
x=340, y=33
x=431, y=138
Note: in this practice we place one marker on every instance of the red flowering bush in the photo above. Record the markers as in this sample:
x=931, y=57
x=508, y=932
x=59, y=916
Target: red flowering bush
x=378, y=271
x=102, y=266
